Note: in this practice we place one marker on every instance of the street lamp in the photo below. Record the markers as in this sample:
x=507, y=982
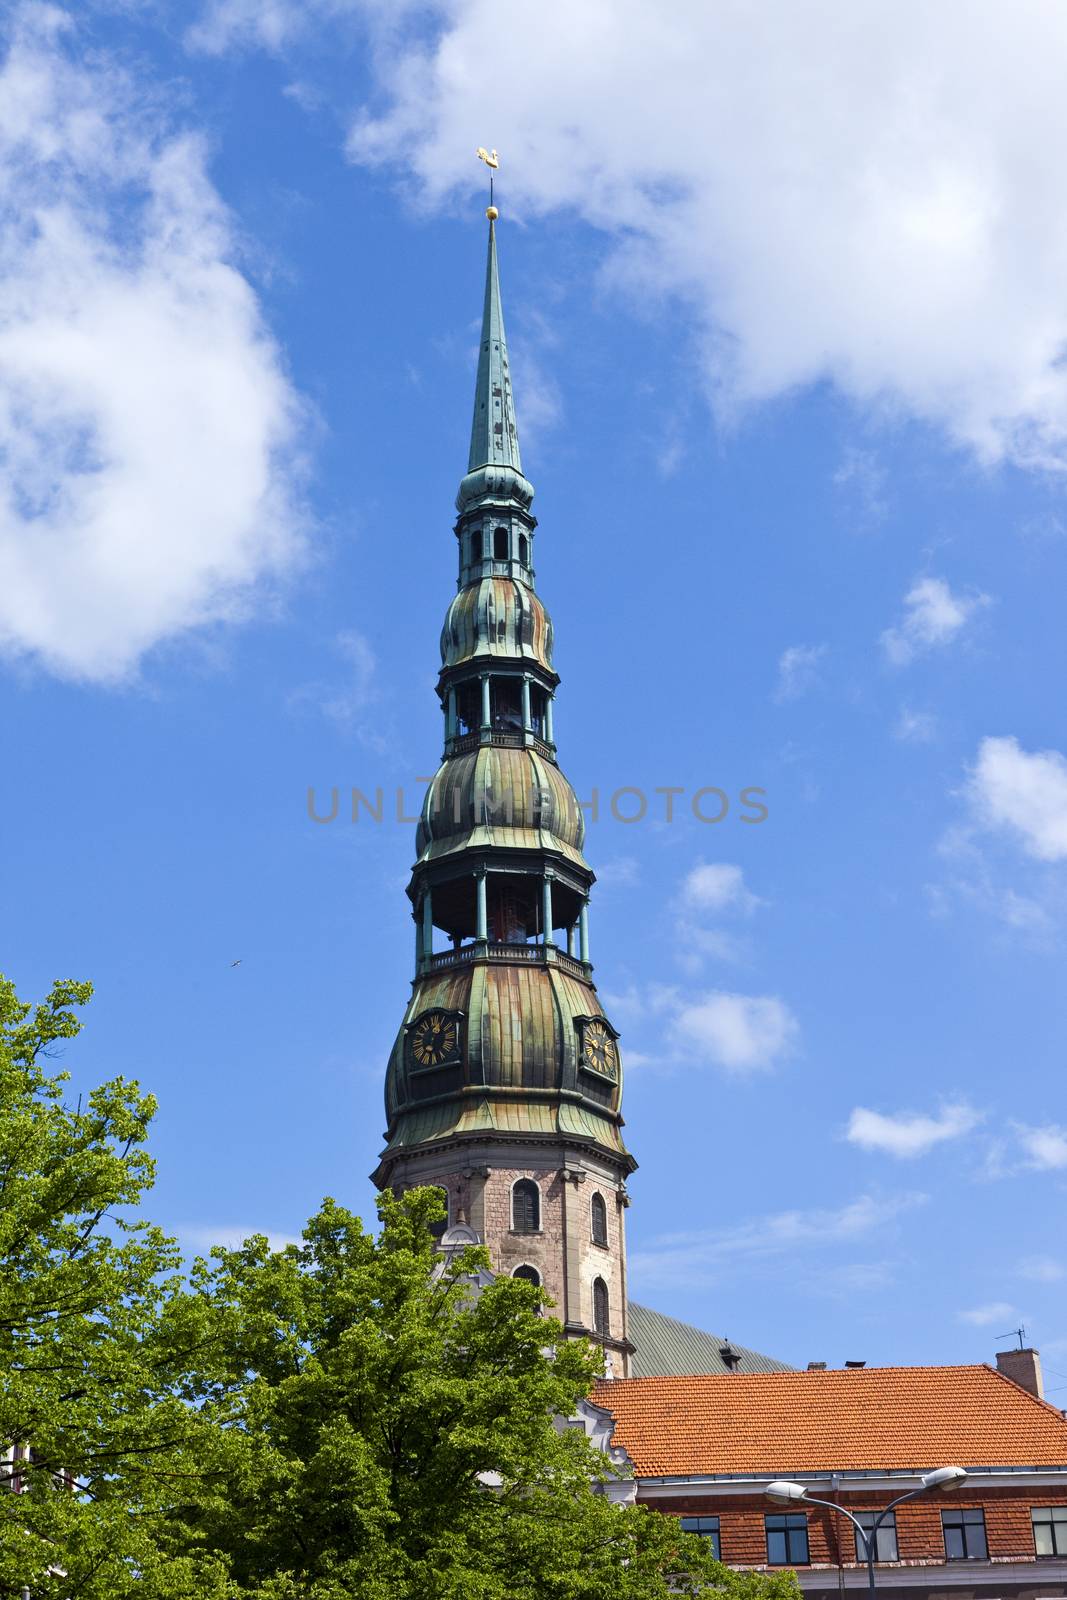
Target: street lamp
x=784, y=1492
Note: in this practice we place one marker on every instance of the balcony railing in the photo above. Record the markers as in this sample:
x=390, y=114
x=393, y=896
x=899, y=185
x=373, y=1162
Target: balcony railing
x=503, y=739
x=528, y=954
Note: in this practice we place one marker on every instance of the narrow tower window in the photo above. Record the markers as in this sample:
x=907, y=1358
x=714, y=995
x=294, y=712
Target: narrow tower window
x=500, y=544
x=439, y=1227
x=526, y=1206
x=528, y=1274
x=601, y=1319
x=524, y=550
x=475, y=546
x=599, y=1219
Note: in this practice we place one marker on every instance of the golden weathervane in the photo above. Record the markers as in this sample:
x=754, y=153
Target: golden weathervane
x=492, y=161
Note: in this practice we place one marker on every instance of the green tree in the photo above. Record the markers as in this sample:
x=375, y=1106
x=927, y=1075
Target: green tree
x=388, y=1434
x=92, y=1429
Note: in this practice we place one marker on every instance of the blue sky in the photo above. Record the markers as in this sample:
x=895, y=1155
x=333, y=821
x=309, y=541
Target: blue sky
x=786, y=314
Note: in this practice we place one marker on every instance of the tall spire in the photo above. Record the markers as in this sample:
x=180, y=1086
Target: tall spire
x=494, y=435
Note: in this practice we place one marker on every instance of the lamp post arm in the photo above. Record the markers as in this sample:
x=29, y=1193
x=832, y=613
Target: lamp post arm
x=869, y=1540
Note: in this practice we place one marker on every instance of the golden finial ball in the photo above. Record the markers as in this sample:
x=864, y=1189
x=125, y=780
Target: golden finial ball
x=492, y=213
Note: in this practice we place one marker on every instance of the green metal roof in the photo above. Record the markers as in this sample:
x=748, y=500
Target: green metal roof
x=494, y=434
x=666, y=1348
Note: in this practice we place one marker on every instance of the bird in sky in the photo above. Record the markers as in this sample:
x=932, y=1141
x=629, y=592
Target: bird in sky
x=236, y=963
x=488, y=156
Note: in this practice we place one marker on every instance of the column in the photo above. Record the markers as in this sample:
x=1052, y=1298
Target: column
x=482, y=928
x=450, y=715
x=417, y=920
x=486, y=715
x=549, y=736
x=570, y=939
x=583, y=931
x=527, y=720
x=546, y=908
x=427, y=925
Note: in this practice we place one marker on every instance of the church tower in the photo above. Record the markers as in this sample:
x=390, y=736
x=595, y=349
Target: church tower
x=504, y=1086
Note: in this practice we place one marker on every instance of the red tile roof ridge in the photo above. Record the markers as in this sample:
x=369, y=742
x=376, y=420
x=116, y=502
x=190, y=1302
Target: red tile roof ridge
x=1057, y=1411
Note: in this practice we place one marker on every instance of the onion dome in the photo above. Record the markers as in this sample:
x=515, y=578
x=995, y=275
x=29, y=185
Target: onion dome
x=497, y=617
x=512, y=798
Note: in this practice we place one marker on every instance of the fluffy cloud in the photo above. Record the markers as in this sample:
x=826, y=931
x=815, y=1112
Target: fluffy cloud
x=1041, y=1269
x=740, y=1032
x=717, y=886
x=147, y=427
x=798, y=670
x=1045, y=1147
x=869, y=197
x=933, y=616
x=909, y=1134
x=1023, y=793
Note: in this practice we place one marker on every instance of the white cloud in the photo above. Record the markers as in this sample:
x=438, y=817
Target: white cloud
x=740, y=1032
x=716, y=886
x=1045, y=1147
x=798, y=670
x=1041, y=1269
x=985, y=1316
x=871, y=197
x=692, y=1256
x=915, y=727
x=933, y=617
x=1023, y=793
x=908, y=1133
x=147, y=426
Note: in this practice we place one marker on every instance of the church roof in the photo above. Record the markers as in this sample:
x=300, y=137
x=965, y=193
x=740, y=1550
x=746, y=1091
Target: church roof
x=494, y=432
x=874, y=1419
x=666, y=1347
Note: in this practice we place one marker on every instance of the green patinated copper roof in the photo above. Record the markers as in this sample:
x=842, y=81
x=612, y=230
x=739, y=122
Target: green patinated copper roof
x=666, y=1348
x=520, y=1043
x=494, y=434
x=497, y=617
x=499, y=796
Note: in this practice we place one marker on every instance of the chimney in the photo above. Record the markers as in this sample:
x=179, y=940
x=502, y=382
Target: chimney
x=816, y=1366
x=1024, y=1368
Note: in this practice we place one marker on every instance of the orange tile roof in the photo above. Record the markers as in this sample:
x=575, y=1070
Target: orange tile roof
x=878, y=1419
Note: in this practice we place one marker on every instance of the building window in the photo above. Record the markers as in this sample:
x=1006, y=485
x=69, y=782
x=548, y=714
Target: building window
x=598, y=1217
x=438, y=1228
x=601, y=1317
x=524, y=550
x=707, y=1528
x=526, y=1206
x=476, y=546
x=885, y=1543
x=500, y=544
x=528, y=1274
x=787, y=1540
x=964, y=1535
x=1050, y=1530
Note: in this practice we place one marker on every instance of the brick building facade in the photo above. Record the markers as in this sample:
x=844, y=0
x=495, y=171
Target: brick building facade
x=705, y=1448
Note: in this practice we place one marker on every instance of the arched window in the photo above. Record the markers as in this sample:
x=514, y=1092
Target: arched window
x=524, y=550
x=500, y=544
x=438, y=1228
x=528, y=1274
x=526, y=1206
x=475, y=546
x=598, y=1218
x=600, y=1307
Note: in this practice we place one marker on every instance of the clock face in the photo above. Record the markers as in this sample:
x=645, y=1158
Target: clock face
x=434, y=1038
x=598, y=1050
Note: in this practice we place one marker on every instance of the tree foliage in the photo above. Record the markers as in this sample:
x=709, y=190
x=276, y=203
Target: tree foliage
x=360, y=1415
x=91, y=1428
x=392, y=1435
